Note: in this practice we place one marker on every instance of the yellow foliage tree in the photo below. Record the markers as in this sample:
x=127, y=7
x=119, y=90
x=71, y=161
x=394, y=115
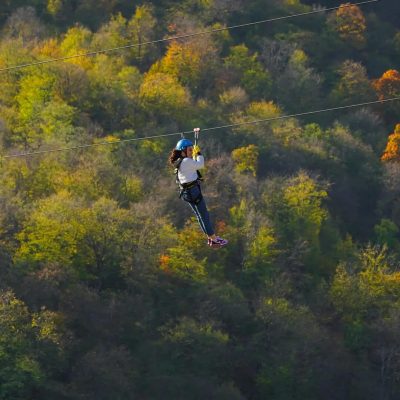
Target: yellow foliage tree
x=183, y=62
x=163, y=94
x=77, y=40
x=256, y=110
x=392, y=151
x=48, y=49
x=246, y=159
x=186, y=260
x=189, y=62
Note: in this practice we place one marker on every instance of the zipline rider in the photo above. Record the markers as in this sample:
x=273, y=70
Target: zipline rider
x=187, y=160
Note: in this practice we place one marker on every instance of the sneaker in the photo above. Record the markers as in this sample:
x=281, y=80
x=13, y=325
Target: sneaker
x=214, y=245
x=221, y=242
x=217, y=243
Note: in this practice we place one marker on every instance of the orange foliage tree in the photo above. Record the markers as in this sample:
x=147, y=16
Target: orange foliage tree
x=350, y=23
x=392, y=151
x=388, y=85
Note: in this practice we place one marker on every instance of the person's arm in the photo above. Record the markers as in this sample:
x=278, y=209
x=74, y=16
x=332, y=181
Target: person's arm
x=196, y=151
x=195, y=163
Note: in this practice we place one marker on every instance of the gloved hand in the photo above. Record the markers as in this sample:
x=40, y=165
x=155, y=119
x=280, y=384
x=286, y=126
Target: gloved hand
x=196, y=150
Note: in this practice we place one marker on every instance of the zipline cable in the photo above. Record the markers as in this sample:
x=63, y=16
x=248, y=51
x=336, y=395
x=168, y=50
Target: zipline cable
x=93, y=53
x=119, y=141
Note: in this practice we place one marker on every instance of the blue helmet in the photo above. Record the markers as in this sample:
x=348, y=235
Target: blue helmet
x=182, y=144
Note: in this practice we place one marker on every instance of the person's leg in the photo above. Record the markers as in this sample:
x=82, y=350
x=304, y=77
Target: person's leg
x=199, y=218
x=213, y=240
x=203, y=217
x=200, y=209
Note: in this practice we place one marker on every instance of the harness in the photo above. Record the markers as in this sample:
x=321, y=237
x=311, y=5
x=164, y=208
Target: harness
x=184, y=186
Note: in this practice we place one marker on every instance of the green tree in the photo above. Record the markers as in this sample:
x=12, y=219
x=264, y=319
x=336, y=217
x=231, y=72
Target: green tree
x=20, y=372
x=363, y=294
x=250, y=73
x=386, y=232
x=112, y=34
x=298, y=83
x=141, y=28
x=104, y=373
x=353, y=86
x=114, y=93
x=289, y=353
x=300, y=212
x=190, y=360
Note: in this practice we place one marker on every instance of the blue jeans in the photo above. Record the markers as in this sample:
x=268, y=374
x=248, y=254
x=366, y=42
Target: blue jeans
x=194, y=198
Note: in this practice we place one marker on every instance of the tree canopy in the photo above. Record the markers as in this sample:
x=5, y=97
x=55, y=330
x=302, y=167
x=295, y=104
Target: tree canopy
x=108, y=289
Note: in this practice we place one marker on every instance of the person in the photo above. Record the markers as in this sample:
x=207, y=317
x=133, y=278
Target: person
x=187, y=160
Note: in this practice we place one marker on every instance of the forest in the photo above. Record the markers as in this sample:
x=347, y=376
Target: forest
x=108, y=290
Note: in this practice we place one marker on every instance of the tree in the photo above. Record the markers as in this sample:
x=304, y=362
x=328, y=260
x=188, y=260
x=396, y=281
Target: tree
x=353, y=86
x=392, y=150
x=103, y=373
x=386, y=234
x=185, y=260
x=363, y=293
x=298, y=215
x=114, y=93
x=388, y=85
x=162, y=94
x=141, y=28
x=396, y=42
x=248, y=71
x=188, y=62
x=305, y=213
x=72, y=85
x=93, y=240
x=112, y=34
x=350, y=24
x=389, y=204
x=54, y=7
x=77, y=40
x=257, y=110
x=190, y=360
x=354, y=168
x=298, y=83
x=93, y=12
x=233, y=99
x=368, y=125
x=53, y=233
x=36, y=92
x=246, y=159
x=25, y=25
x=20, y=372
x=290, y=347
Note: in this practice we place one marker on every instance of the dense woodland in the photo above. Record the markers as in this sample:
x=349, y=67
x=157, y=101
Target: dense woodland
x=108, y=290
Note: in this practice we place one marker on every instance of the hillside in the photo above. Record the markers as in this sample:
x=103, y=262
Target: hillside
x=108, y=289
